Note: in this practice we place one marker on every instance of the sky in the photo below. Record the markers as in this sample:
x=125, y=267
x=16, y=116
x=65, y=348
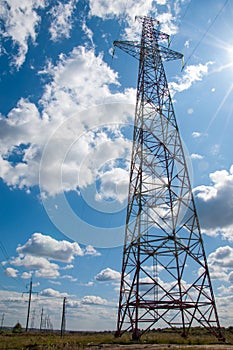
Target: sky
x=66, y=115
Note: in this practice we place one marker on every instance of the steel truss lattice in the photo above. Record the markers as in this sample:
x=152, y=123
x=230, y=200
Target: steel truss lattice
x=165, y=277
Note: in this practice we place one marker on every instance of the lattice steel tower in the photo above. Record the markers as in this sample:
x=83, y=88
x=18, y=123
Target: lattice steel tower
x=165, y=278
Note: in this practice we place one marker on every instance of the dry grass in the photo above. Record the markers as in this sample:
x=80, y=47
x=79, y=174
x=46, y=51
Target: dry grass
x=92, y=340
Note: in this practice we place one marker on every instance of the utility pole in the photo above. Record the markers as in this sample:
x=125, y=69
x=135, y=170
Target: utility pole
x=29, y=303
x=41, y=318
x=33, y=319
x=2, y=320
x=47, y=323
x=63, y=319
x=165, y=279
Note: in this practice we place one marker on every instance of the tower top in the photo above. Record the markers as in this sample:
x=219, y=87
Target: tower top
x=150, y=42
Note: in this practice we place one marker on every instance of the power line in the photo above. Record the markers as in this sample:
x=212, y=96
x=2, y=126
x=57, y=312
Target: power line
x=205, y=33
x=181, y=19
x=4, y=251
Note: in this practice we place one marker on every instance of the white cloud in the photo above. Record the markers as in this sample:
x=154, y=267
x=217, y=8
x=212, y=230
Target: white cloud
x=196, y=156
x=167, y=23
x=93, y=300
x=109, y=9
x=67, y=267
x=61, y=15
x=78, y=81
x=190, y=111
x=33, y=262
x=73, y=304
x=108, y=275
x=187, y=43
x=48, y=247
x=20, y=135
x=215, y=203
x=114, y=185
x=9, y=271
x=36, y=253
x=57, y=283
x=70, y=278
x=88, y=284
x=130, y=9
x=191, y=74
x=196, y=134
x=89, y=250
x=220, y=263
x=20, y=20
x=43, y=267
x=88, y=32
x=49, y=292
x=161, y=2
x=26, y=275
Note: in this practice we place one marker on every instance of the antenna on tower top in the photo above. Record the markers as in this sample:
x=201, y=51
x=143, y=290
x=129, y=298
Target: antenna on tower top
x=165, y=279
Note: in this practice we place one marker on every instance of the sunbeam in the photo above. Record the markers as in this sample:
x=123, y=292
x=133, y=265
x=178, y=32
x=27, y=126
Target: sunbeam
x=220, y=107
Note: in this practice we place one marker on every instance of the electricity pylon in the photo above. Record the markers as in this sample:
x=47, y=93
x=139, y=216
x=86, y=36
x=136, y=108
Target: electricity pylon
x=165, y=278
x=29, y=303
x=63, y=319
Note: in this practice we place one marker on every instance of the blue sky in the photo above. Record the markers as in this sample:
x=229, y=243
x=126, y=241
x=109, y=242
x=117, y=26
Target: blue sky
x=65, y=126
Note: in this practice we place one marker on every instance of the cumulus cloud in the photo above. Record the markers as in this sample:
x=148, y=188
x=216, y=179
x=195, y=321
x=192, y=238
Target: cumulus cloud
x=33, y=262
x=20, y=20
x=40, y=245
x=11, y=272
x=93, y=300
x=220, y=263
x=43, y=267
x=114, y=184
x=167, y=23
x=108, y=275
x=192, y=73
x=36, y=253
x=130, y=9
x=108, y=9
x=49, y=292
x=26, y=275
x=215, y=204
x=196, y=156
x=61, y=15
x=89, y=250
x=67, y=267
x=19, y=135
x=78, y=81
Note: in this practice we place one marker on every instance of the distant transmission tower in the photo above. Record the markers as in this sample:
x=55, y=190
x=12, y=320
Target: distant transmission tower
x=165, y=278
x=63, y=319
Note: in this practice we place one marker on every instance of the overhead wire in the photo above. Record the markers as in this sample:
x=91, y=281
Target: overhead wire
x=7, y=257
x=4, y=251
x=181, y=19
x=205, y=33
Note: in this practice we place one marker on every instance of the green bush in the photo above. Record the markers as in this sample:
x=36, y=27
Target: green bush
x=17, y=328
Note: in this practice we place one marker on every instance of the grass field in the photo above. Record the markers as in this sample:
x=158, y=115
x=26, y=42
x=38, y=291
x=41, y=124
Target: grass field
x=35, y=340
